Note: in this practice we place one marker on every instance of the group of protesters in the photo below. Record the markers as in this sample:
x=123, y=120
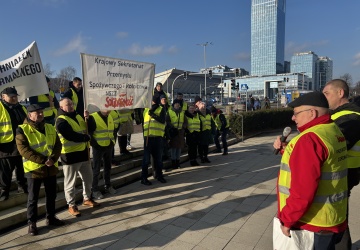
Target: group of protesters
x=34, y=139
x=169, y=127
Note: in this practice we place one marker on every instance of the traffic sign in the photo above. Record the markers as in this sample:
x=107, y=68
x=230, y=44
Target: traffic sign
x=244, y=87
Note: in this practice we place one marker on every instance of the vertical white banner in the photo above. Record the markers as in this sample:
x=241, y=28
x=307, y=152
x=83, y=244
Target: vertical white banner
x=111, y=83
x=25, y=72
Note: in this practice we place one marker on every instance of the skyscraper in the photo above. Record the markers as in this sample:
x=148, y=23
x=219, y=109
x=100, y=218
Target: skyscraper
x=267, y=37
x=305, y=63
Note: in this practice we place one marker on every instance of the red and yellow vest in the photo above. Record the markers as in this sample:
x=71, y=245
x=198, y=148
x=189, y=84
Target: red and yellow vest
x=330, y=202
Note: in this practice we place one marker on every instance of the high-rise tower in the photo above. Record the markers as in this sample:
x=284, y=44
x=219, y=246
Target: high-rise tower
x=267, y=37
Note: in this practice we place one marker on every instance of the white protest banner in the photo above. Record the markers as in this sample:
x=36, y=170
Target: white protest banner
x=111, y=83
x=25, y=72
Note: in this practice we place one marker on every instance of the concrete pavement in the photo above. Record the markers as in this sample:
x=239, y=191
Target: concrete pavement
x=226, y=204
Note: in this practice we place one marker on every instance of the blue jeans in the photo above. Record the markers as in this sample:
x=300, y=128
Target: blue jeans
x=223, y=139
x=152, y=146
x=175, y=153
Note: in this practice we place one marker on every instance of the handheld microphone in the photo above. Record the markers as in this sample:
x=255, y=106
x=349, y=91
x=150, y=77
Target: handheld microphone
x=286, y=133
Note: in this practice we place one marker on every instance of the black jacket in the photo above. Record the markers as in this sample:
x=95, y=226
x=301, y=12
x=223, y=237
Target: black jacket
x=17, y=116
x=65, y=129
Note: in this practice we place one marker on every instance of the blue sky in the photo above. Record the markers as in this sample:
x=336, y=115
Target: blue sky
x=166, y=32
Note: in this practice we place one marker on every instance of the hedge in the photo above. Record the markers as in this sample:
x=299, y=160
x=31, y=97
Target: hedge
x=261, y=120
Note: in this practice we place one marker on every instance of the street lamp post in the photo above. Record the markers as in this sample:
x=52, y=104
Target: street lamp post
x=204, y=45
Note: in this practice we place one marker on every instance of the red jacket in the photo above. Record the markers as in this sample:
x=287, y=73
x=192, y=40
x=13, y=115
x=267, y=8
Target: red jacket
x=310, y=153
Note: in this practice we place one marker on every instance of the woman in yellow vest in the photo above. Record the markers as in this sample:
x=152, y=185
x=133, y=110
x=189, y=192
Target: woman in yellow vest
x=192, y=133
x=176, y=123
x=205, y=136
x=40, y=147
x=312, y=182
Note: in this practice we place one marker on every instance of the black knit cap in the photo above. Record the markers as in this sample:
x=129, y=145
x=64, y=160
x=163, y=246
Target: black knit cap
x=10, y=91
x=316, y=99
x=197, y=98
x=34, y=107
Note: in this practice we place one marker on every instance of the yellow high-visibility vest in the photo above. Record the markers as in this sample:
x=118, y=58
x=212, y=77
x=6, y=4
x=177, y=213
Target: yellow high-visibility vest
x=206, y=121
x=104, y=133
x=39, y=142
x=193, y=123
x=116, y=119
x=330, y=202
x=6, y=131
x=49, y=111
x=353, y=154
x=177, y=120
x=79, y=127
x=151, y=126
x=218, y=122
x=74, y=98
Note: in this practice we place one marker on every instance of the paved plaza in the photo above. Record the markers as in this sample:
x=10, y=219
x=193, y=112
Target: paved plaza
x=226, y=204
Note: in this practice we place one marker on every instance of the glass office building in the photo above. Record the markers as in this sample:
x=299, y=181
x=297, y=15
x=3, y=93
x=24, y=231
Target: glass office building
x=305, y=63
x=267, y=37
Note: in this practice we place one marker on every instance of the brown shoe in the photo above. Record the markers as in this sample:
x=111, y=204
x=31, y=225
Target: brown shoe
x=74, y=211
x=90, y=203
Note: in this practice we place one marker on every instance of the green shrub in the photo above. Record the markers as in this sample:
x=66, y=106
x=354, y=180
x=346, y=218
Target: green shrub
x=261, y=120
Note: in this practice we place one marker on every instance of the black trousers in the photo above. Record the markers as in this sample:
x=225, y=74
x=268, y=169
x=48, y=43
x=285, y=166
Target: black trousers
x=33, y=197
x=152, y=147
x=100, y=155
x=203, y=151
x=192, y=140
x=122, y=140
x=7, y=166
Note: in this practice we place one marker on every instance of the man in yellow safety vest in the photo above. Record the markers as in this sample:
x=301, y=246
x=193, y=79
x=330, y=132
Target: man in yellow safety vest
x=40, y=147
x=312, y=181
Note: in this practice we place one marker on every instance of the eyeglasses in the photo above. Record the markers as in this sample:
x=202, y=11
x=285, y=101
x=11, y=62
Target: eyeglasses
x=295, y=114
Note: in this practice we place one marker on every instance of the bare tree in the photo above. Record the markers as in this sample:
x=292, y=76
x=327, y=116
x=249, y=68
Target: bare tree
x=47, y=70
x=347, y=78
x=64, y=77
x=67, y=73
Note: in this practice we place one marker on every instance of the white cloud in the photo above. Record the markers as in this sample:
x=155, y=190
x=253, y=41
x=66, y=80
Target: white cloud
x=122, y=34
x=137, y=50
x=292, y=47
x=173, y=49
x=75, y=45
x=357, y=59
x=242, y=56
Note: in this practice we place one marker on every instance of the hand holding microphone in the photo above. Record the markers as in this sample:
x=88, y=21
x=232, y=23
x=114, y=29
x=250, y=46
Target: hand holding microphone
x=286, y=133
